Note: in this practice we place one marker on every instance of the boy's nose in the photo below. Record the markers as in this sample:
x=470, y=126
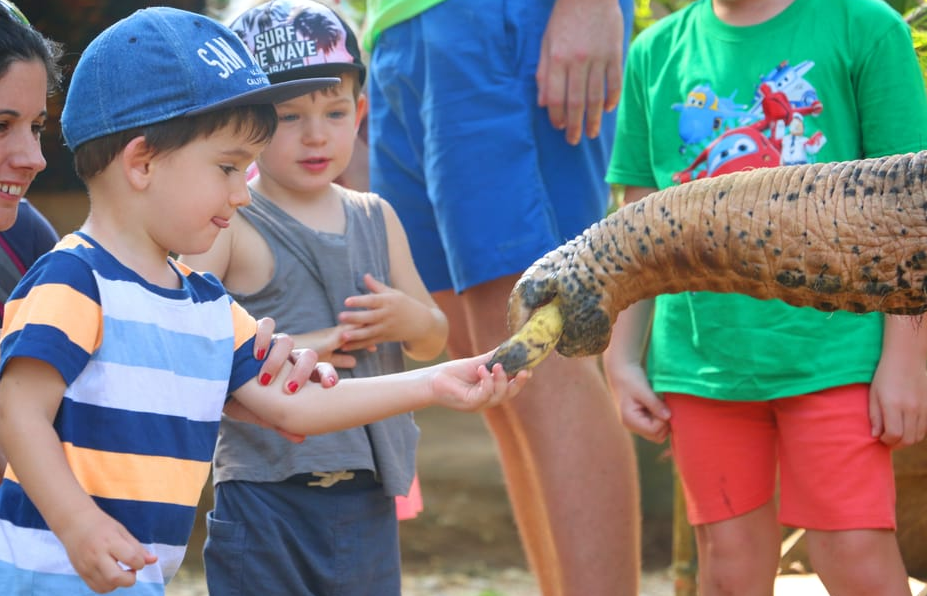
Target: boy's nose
x=313, y=133
x=240, y=196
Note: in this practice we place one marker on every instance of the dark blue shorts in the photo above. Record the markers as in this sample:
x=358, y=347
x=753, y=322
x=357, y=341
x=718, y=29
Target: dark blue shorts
x=482, y=182
x=288, y=538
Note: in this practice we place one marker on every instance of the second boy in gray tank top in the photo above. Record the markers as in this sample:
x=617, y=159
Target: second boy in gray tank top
x=322, y=269
x=334, y=269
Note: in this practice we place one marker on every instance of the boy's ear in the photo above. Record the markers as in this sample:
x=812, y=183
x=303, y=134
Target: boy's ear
x=136, y=162
x=362, y=108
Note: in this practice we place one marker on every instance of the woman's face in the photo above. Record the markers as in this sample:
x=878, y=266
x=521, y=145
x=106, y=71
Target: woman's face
x=23, y=89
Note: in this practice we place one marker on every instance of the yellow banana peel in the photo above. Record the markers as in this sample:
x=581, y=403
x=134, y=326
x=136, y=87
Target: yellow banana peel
x=533, y=342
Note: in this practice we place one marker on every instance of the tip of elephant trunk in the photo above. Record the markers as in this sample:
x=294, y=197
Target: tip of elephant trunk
x=533, y=341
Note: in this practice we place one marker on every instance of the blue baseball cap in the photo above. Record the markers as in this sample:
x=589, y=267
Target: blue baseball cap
x=161, y=63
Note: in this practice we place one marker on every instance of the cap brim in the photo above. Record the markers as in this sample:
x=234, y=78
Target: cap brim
x=274, y=93
x=330, y=69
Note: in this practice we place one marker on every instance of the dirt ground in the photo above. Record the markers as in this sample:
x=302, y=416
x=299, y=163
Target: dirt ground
x=465, y=542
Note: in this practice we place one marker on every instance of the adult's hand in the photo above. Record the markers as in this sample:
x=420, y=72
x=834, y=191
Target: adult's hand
x=278, y=348
x=579, y=72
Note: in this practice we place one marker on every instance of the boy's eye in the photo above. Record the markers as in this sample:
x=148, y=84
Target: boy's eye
x=337, y=114
x=288, y=117
x=227, y=170
x=38, y=128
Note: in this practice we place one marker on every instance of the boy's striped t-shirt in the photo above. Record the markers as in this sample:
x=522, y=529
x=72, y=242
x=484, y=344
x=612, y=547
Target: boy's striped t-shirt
x=148, y=371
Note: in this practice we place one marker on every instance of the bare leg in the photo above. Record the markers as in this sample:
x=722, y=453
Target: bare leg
x=569, y=465
x=458, y=338
x=858, y=562
x=739, y=556
x=531, y=518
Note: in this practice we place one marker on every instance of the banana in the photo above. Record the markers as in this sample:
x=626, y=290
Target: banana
x=533, y=342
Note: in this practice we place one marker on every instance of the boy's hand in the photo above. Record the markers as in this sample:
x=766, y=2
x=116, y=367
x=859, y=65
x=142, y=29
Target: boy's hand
x=384, y=315
x=898, y=403
x=642, y=412
x=103, y=552
x=329, y=344
x=466, y=385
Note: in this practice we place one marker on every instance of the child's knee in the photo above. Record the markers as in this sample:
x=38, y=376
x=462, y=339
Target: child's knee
x=863, y=557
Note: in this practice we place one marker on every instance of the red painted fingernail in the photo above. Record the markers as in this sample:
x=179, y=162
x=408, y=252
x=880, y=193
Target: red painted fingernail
x=261, y=353
x=265, y=379
x=292, y=386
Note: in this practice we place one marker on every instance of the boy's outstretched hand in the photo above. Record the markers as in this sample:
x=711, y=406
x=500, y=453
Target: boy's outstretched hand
x=467, y=385
x=103, y=552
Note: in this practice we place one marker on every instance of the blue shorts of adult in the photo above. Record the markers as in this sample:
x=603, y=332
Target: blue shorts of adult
x=260, y=543
x=482, y=182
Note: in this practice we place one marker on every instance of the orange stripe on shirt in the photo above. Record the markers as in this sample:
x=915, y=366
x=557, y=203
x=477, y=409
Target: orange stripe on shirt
x=61, y=306
x=243, y=323
x=135, y=477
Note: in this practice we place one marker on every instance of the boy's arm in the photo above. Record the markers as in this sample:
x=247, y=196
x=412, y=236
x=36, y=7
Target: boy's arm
x=898, y=393
x=328, y=343
x=641, y=410
x=30, y=393
x=403, y=312
x=463, y=385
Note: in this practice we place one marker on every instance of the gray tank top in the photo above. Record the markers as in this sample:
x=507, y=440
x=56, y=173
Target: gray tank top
x=313, y=273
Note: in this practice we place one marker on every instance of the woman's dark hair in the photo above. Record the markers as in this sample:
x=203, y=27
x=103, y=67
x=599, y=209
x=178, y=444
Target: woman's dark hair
x=257, y=122
x=20, y=42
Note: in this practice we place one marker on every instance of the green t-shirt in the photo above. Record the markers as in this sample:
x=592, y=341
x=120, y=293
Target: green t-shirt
x=691, y=106
x=382, y=14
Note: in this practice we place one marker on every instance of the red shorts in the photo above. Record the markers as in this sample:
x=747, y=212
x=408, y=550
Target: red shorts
x=833, y=474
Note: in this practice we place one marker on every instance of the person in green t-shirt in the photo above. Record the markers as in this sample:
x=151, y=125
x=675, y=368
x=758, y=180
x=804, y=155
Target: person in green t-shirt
x=751, y=388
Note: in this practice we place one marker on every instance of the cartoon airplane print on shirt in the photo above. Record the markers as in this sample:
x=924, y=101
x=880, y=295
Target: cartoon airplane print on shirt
x=771, y=132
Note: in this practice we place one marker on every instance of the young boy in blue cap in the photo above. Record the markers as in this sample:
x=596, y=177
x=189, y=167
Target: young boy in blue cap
x=117, y=361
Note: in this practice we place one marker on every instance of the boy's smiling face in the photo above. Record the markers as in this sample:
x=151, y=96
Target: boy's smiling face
x=314, y=140
x=198, y=188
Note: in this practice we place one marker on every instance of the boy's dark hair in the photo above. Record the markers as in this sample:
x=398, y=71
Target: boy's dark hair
x=22, y=43
x=258, y=122
x=333, y=90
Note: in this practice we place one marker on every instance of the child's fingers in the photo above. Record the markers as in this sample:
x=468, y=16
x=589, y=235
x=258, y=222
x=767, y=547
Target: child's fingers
x=374, y=285
x=875, y=418
x=518, y=382
x=131, y=555
x=128, y=557
x=496, y=382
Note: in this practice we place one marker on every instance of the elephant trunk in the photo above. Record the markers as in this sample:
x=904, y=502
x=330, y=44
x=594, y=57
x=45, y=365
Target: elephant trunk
x=845, y=235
